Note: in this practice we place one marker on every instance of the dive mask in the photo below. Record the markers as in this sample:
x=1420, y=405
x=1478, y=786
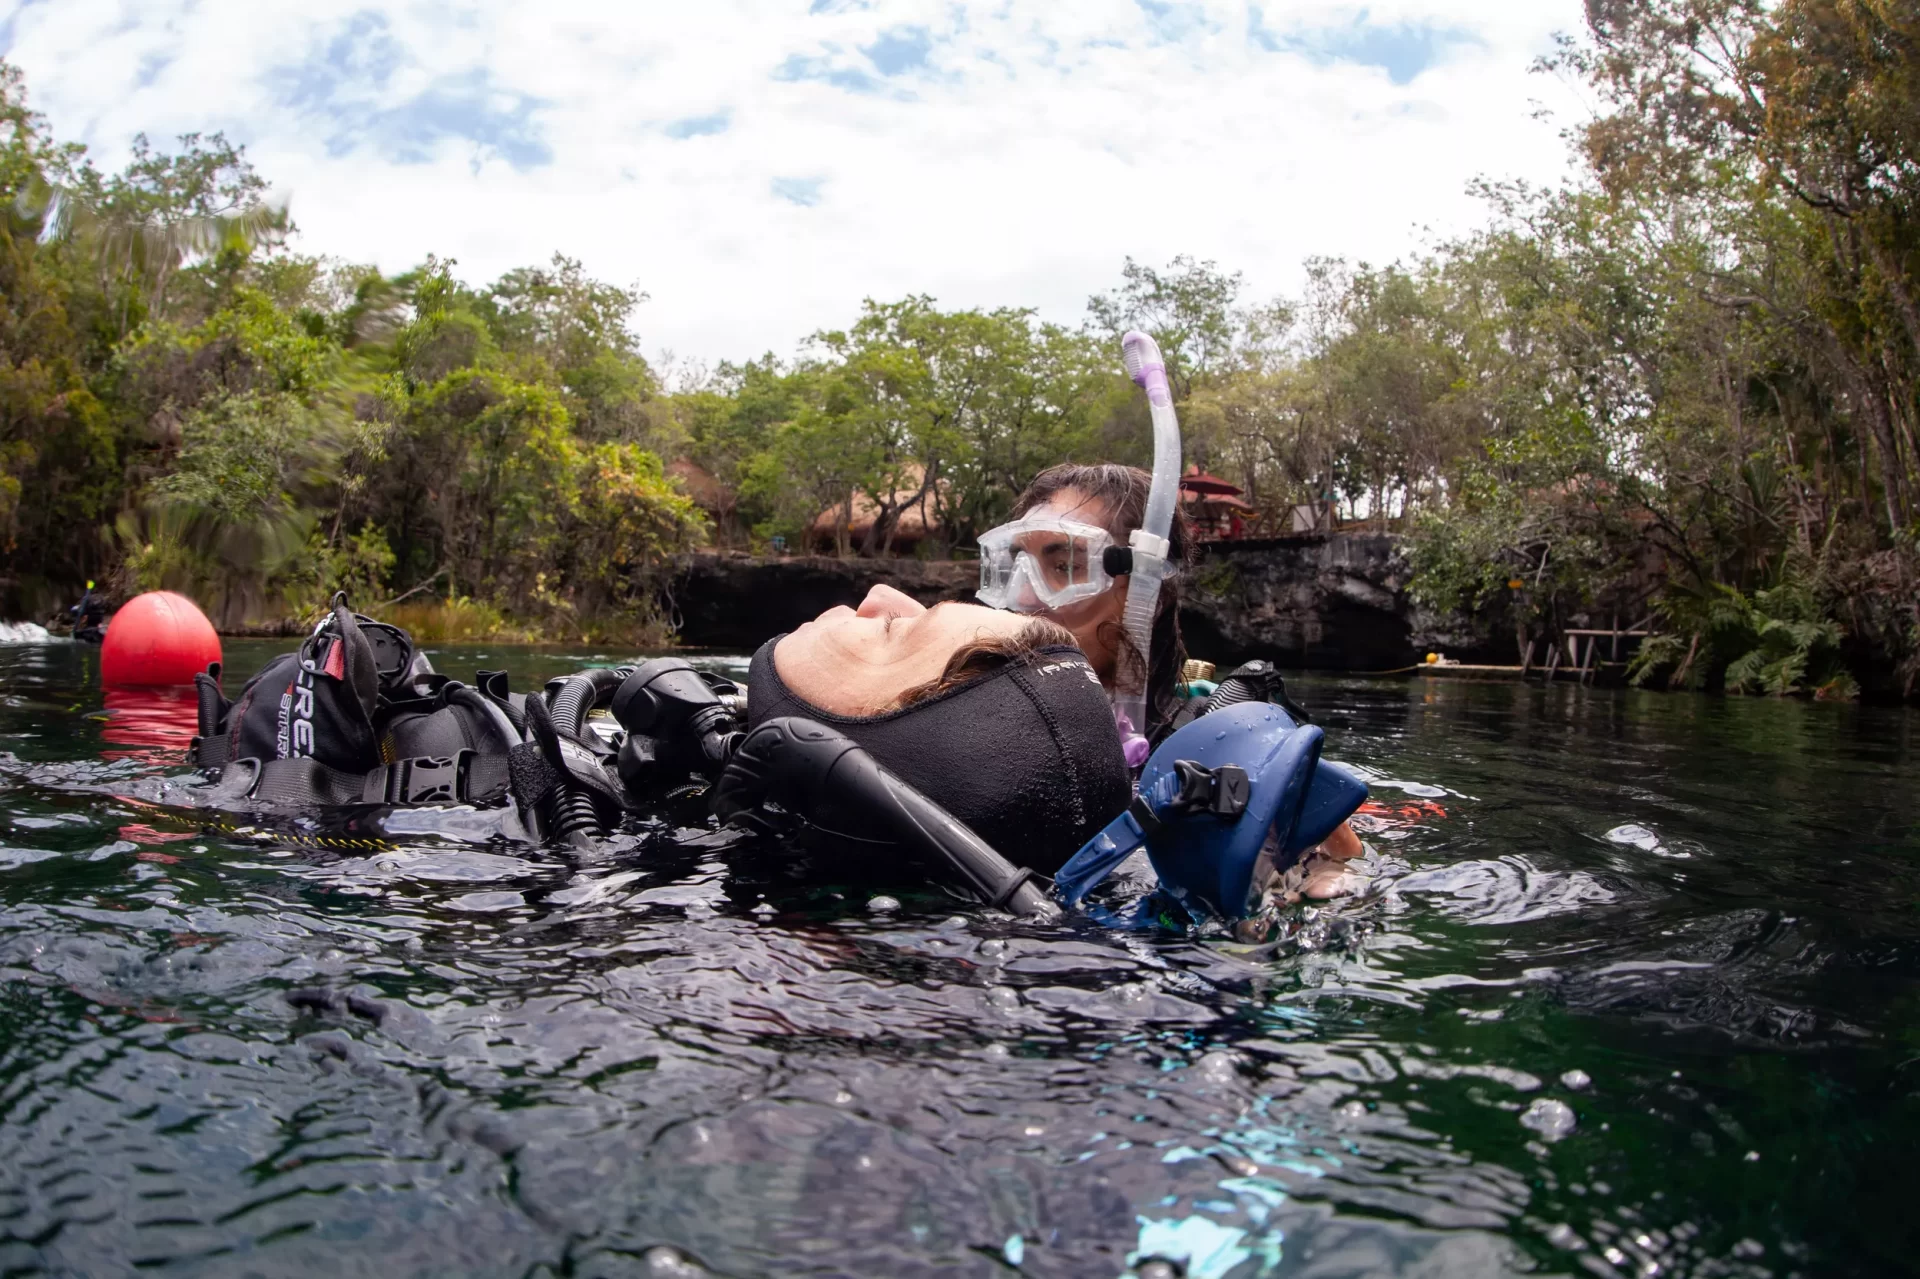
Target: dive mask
x=1044, y=561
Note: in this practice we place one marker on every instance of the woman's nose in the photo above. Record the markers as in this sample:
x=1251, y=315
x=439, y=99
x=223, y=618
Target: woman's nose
x=884, y=601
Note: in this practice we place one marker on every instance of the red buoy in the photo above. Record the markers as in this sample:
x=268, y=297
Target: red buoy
x=157, y=638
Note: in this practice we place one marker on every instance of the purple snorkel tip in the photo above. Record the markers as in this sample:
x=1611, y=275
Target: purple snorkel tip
x=1141, y=355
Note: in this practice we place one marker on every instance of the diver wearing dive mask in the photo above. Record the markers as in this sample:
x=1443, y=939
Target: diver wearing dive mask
x=1064, y=556
x=1046, y=561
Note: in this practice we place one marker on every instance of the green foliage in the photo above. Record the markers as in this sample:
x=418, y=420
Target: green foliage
x=1778, y=642
x=183, y=398
x=945, y=414
x=241, y=456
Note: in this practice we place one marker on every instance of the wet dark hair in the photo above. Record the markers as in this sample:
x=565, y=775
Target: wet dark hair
x=1123, y=490
x=983, y=657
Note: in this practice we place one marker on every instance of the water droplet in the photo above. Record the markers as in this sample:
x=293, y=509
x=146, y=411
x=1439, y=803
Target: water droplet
x=1753, y=1156
x=883, y=905
x=1563, y=1236
x=1015, y=1250
x=1551, y=1119
x=1003, y=999
x=764, y=909
x=842, y=1097
x=1217, y=1067
x=1353, y=1110
x=993, y=947
x=662, y=1262
x=1577, y=1079
x=1155, y=1268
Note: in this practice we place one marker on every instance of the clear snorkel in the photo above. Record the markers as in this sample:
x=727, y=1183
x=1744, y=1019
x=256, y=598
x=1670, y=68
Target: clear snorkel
x=1149, y=542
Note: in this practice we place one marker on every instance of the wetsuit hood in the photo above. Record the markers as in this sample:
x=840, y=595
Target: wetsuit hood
x=1026, y=755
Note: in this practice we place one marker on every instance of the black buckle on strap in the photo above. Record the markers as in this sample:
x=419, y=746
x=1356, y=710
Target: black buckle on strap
x=1222, y=791
x=423, y=779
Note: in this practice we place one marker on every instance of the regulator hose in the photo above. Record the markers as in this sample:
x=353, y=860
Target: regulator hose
x=813, y=771
x=573, y=816
x=581, y=692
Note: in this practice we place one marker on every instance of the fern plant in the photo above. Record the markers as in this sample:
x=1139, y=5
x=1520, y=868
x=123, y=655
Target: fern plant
x=1779, y=642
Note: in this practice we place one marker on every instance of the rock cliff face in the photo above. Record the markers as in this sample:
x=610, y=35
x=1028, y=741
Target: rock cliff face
x=1329, y=603
x=1335, y=603
x=738, y=602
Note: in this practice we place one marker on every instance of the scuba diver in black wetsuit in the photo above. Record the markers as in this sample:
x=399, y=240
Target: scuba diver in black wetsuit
x=87, y=618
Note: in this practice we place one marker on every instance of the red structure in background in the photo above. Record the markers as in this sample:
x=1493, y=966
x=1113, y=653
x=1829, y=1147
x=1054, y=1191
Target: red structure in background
x=1214, y=506
x=1220, y=514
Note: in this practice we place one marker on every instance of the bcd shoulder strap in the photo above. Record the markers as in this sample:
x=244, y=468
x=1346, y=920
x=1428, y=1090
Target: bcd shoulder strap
x=465, y=777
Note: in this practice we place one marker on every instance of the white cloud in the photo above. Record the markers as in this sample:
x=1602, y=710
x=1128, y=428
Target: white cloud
x=756, y=169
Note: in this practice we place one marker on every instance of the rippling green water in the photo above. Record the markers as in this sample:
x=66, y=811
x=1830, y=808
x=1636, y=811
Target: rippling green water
x=671, y=1060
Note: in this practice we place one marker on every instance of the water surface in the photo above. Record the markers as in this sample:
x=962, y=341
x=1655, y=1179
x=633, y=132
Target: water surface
x=1632, y=992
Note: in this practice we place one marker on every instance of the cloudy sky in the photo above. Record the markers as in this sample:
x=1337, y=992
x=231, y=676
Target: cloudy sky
x=759, y=166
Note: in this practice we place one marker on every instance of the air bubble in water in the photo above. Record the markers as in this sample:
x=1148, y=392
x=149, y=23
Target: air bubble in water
x=662, y=1262
x=1217, y=1067
x=1551, y=1119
